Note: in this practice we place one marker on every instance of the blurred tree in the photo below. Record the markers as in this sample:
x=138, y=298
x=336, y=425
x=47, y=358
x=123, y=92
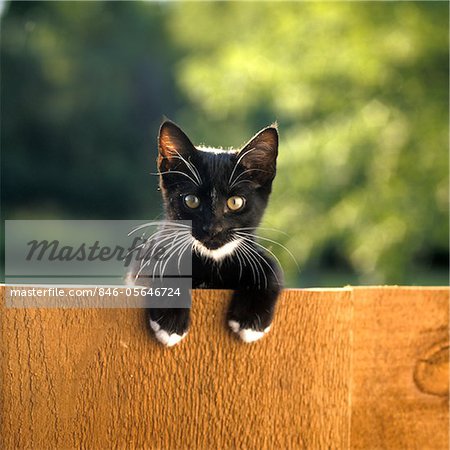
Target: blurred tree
x=84, y=88
x=361, y=95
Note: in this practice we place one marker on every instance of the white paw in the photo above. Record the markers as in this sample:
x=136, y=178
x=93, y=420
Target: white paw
x=164, y=337
x=154, y=325
x=247, y=334
x=234, y=325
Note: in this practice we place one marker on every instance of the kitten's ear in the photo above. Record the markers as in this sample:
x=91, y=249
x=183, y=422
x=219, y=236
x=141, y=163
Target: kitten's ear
x=260, y=154
x=172, y=144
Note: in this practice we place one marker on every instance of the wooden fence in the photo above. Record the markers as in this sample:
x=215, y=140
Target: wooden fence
x=342, y=368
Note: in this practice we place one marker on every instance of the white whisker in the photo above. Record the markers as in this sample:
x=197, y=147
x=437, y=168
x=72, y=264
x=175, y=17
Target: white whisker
x=159, y=245
x=176, y=247
x=255, y=253
x=144, y=263
x=243, y=173
x=239, y=182
x=189, y=242
x=247, y=258
x=165, y=251
x=175, y=171
x=158, y=223
x=237, y=163
x=191, y=167
x=236, y=253
x=274, y=242
x=260, y=228
x=247, y=240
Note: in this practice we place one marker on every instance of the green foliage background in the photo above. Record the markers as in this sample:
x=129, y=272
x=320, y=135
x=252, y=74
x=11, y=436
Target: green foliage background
x=360, y=92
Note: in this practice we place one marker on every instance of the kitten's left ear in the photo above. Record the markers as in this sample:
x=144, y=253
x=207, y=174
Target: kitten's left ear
x=172, y=145
x=260, y=154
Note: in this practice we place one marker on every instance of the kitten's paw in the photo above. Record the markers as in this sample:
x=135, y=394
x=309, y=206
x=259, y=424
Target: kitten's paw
x=164, y=336
x=247, y=334
x=169, y=325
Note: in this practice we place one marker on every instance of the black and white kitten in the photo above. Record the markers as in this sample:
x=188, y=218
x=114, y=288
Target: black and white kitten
x=224, y=194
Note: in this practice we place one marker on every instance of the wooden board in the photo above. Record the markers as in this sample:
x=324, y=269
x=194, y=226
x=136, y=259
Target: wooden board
x=340, y=369
x=400, y=369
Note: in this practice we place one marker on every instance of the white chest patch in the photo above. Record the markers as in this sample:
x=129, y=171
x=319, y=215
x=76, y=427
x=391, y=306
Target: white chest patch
x=217, y=254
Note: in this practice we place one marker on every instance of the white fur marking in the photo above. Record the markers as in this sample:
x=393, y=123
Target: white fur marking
x=164, y=337
x=217, y=254
x=154, y=325
x=234, y=325
x=169, y=339
x=247, y=334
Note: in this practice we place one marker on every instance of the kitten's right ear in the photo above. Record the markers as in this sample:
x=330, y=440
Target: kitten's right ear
x=173, y=144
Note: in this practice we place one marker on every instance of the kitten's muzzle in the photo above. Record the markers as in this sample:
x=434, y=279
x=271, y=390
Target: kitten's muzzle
x=212, y=236
x=212, y=230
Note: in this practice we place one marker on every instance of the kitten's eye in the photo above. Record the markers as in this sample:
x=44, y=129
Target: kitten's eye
x=235, y=203
x=191, y=201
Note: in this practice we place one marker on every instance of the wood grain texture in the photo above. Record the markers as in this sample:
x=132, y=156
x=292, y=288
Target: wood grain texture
x=340, y=369
x=397, y=400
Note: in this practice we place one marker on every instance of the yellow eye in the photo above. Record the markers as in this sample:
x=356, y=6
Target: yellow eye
x=235, y=203
x=191, y=201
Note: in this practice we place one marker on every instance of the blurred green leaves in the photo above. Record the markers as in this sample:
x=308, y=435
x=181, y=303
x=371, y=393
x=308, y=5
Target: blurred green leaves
x=84, y=87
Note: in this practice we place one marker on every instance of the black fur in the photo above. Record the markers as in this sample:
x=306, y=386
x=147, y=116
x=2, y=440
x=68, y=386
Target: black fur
x=254, y=300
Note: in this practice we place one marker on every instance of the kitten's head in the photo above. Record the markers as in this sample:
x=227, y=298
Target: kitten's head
x=218, y=190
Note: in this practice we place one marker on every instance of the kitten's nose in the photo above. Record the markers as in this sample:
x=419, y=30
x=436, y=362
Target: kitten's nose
x=212, y=230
